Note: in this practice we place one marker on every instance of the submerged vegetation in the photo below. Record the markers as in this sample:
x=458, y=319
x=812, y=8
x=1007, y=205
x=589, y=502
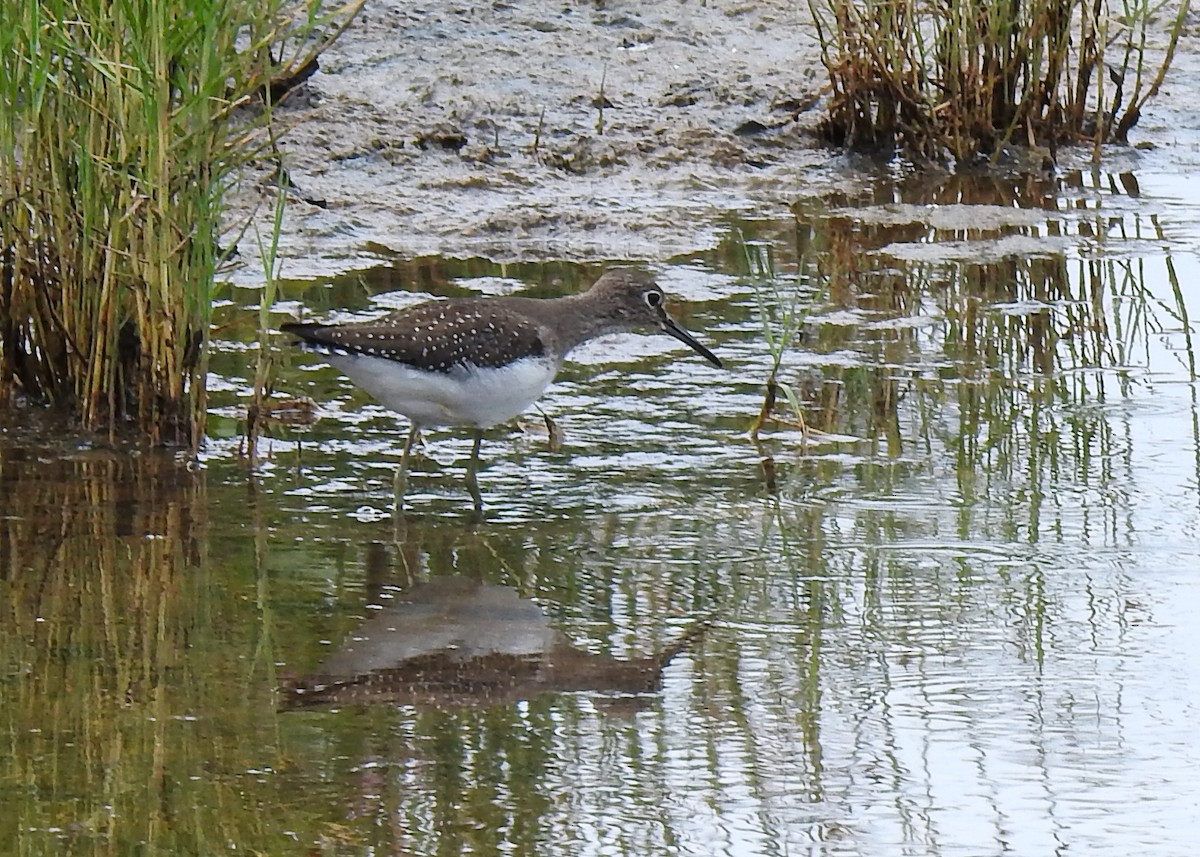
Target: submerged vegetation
x=963, y=80
x=122, y=124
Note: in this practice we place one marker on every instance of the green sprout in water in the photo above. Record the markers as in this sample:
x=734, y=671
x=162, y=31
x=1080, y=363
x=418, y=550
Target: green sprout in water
x=783, y=311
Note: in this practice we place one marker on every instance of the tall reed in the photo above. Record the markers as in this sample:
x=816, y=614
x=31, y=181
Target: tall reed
x=964, y=79
x=120, y=129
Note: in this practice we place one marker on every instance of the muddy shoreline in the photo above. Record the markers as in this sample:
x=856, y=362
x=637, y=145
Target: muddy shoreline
x=546, y=131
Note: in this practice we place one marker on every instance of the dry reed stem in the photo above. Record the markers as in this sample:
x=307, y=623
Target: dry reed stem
x=961, y=81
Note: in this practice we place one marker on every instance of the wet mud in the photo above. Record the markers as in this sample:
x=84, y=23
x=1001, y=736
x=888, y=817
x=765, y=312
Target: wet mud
x=592, y=131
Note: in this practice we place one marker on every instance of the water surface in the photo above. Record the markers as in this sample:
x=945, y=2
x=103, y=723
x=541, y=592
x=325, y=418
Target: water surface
x=954, y=620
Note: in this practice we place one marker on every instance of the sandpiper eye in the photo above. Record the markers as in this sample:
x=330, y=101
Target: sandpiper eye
x=653, y=299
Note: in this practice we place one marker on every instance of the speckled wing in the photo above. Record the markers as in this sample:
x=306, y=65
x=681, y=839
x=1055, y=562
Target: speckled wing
x=438, y=336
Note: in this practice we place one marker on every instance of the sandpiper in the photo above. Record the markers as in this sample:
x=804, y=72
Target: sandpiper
x=481, y=361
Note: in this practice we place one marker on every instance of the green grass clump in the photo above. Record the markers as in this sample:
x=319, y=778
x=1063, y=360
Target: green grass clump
x=121, y=127
x=964, y=79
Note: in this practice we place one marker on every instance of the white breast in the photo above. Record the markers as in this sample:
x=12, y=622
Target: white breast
x=475, y=397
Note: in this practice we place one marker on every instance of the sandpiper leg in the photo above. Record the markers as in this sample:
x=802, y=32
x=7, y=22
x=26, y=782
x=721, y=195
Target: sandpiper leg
x=401, y=480
x=472, y=469
x=554, y=437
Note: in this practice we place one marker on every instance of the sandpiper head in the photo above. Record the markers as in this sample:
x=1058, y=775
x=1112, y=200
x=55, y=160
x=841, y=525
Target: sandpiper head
x=632, y=299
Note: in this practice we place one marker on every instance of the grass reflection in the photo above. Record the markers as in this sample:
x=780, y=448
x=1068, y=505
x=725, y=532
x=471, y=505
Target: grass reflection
x=1013, y=365
x=133, y=712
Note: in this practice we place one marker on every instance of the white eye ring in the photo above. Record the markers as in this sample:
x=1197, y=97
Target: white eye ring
x=653, y=299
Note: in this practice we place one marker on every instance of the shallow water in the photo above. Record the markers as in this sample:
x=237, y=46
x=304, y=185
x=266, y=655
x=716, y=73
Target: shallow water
x=956, y=620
